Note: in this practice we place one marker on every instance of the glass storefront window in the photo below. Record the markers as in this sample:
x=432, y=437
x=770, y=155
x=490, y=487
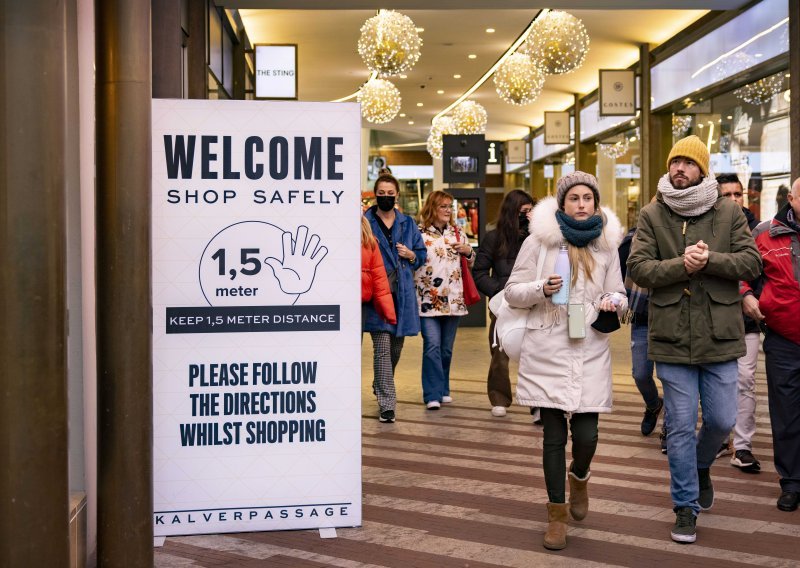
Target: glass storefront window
x=747, y=132
x=619, y=175
x=757, y=35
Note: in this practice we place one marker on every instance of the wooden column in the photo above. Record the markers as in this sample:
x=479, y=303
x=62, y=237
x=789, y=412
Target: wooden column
x=124, y=310
x=34, y=489
x=647, y=189
x=167, y=49
x=197, y=61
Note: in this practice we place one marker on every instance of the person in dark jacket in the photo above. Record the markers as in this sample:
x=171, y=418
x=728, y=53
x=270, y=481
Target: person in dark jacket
x=403, y=252
x=641, y=365
x=493, y=266
x=743, y=458
x=779, y=307
x=692, y=248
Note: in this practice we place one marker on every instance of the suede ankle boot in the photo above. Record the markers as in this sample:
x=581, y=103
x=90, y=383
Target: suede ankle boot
x=556, y=536
x=578, y=495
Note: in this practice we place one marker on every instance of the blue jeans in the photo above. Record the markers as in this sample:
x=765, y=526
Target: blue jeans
x=642, y=367
x=714, y=385
x=438, y=337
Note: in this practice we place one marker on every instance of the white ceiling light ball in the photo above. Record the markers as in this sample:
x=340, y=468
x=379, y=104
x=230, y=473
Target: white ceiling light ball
x=441, y=126
x=558, y=42
x=470, y=118
x=389, y=43
x=380, y=101
x=518, y=80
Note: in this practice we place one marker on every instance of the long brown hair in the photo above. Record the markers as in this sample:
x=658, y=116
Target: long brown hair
x=580, y=257
x=508, y=220
x=427, y=214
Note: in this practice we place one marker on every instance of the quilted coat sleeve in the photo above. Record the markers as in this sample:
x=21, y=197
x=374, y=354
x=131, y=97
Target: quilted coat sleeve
x=381, y=295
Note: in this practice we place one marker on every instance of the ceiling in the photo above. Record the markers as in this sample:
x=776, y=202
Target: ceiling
x=330, y=68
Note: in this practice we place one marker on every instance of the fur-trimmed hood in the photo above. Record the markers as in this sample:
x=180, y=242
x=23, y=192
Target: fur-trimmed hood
x=544, y=226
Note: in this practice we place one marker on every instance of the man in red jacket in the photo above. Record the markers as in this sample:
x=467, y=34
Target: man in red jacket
x=778, y=242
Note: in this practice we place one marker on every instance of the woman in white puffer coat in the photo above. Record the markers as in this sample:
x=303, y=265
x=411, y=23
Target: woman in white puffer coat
x=560, y=375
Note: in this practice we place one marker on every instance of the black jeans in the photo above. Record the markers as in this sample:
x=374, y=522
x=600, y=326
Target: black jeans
x=584, y=443
x=782, y=358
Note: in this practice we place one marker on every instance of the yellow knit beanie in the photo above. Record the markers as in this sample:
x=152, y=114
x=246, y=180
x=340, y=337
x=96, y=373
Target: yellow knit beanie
x=693, y=148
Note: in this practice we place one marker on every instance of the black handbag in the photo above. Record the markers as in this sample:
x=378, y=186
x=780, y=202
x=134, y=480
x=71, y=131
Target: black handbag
x=606, y=322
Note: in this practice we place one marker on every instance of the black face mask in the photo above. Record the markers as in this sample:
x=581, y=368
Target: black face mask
x=523, y=221
x=385, y=202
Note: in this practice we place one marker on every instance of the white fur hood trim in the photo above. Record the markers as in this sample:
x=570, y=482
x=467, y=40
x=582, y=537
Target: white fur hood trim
x=544, y=226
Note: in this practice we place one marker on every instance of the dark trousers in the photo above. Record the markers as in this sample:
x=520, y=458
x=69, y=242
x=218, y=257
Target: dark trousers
x=783, y=384
x=498, y=385
x=584, y=443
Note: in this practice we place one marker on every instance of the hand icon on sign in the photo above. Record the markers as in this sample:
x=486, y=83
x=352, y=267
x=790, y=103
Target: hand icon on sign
x=301, y=256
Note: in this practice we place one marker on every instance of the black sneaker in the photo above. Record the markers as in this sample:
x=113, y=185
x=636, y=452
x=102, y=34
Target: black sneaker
x=746, y=461
x=706, y=497
x=651, y=418
x=663, y=438
x=387, y=416
x=684, y=530
x=724, y=449
x=788, y=500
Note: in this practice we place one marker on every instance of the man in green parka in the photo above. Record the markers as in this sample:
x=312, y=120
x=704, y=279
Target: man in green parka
x=692, y=247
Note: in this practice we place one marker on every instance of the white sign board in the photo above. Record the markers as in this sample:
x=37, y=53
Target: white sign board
x=515, y=151
x=617, y=92
x=556, y=127
x=276, y=71
x=256, y=316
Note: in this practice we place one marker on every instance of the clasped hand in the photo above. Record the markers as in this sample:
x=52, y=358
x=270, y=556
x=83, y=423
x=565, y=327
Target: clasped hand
x=695, y=257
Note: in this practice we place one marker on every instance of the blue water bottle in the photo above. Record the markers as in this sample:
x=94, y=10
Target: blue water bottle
x=562, y=269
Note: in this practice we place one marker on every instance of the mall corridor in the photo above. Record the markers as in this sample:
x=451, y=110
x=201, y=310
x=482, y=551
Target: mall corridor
x=459, y=488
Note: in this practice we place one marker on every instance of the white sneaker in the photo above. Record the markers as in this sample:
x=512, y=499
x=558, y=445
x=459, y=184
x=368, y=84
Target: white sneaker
x=498, y=411
x=447, y=399
x=433, y=405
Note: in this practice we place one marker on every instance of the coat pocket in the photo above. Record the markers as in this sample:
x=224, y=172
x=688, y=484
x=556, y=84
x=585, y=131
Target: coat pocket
x=725, y=314
x=667, y=316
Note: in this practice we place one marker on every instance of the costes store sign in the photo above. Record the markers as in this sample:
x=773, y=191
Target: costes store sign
x=256, y=316
x=617, y=92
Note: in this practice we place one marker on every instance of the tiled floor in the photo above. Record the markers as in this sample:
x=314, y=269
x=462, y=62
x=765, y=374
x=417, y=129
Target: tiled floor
x=459, y=488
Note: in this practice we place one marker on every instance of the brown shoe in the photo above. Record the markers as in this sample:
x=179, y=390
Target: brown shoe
x=578, y=495
x=556, y=536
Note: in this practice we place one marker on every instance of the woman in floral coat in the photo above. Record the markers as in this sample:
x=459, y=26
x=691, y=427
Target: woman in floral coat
x=440, y=294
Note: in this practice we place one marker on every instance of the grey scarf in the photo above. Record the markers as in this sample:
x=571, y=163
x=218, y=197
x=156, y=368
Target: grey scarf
x=692, y=201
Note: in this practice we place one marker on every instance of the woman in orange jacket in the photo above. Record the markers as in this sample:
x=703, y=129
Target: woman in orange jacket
x=374, y=283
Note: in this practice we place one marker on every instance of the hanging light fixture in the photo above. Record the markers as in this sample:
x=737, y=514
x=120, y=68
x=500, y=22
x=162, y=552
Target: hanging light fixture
x=680, y=125
x=470, y=118
x=519, y=80
x=615, y=150
x=558, y=42
x=761, y=91
x=441, y=126
x=380, y=100
x=389, y=43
